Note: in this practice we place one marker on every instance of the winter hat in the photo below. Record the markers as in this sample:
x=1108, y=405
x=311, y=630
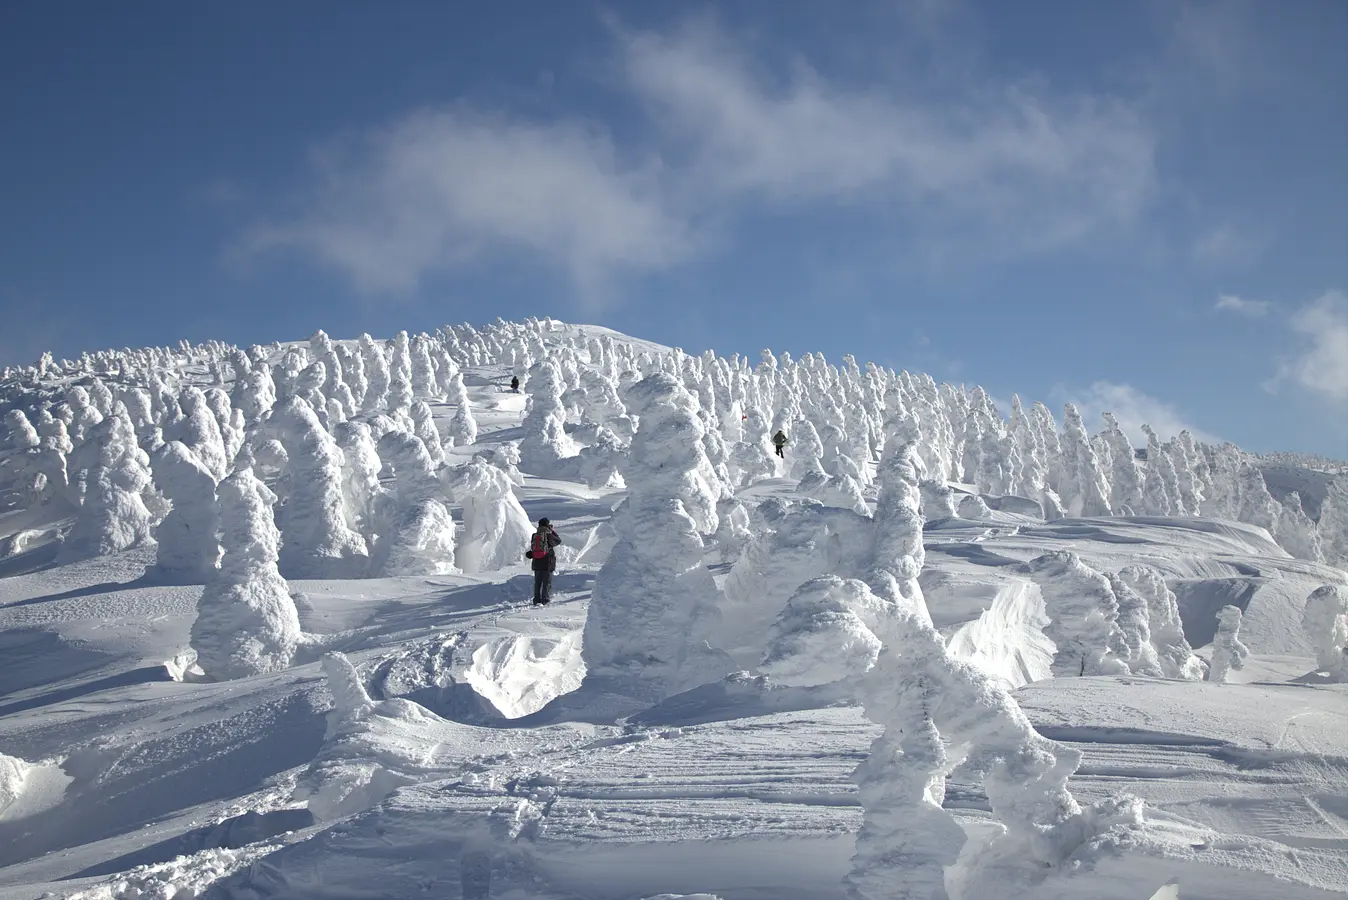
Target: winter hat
x=544, y=521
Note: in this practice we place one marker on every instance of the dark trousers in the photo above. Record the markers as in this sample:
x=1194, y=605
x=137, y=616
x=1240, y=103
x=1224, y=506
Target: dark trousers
x=779, y=451
x=542, y=585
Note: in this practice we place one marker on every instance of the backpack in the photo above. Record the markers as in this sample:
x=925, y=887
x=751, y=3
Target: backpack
x=538, y=548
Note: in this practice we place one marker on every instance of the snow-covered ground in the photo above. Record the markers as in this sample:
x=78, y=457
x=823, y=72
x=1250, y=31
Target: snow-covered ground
x=436, y=735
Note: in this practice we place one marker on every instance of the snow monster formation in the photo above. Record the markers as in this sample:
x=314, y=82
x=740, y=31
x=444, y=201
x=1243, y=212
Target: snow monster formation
x=246, y=622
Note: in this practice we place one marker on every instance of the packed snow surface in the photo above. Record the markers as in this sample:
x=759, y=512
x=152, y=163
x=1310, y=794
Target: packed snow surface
x=266, y=632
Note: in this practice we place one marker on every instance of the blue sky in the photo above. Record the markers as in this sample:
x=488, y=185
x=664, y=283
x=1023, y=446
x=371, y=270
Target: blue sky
x=1133, y=205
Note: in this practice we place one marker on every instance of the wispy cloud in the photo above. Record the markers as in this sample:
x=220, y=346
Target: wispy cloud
x=1227, y=245
x=994, y=168
x=1319, y=361
x=1012, y=161
x=1132, y=407
x=440, y=188
x=1240, y=306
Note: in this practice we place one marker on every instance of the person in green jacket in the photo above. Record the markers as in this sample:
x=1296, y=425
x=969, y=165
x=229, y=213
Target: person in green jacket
x=779, y=441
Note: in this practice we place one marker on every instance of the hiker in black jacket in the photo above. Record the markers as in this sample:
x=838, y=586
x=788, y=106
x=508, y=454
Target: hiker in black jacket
x=543, y=555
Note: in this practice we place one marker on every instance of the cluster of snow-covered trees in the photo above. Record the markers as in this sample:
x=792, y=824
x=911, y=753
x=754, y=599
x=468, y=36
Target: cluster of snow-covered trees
x=326, y=460
x=133, y=445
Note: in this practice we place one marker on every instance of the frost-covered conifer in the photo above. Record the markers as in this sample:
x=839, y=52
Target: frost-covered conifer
x=353, y=376
x=1296, y=531
x=83, y=414
x=1125, y=476
x=287, y=371
x=424, y=384
x=255, y=394
x=938, y=500
x=1224, y=465
x=20, y=433
x=654, y=604
x=1173, y=653
x=100, y=397
x=446, y=370
x=246, y=622
x=140, y=410
x=316, y=541
x=1162, y=483
x=462, y=428
x=200, y=432
x=1333, y=523
x=600, y=464
x=545, y=442
x=360, y=477
x=418, y=530
x=1256, y=505
x=376, y=373
x=423, y=426
x=806, y=450
x=1089, y=492
x=113, y=515
x=495, y=525
x=1325, y=620
x=1227, y=651
x=1135, y=624
x=1083, y=616
x=818, y=637
x=898, y=549
x=232, y=431
x=188, y=550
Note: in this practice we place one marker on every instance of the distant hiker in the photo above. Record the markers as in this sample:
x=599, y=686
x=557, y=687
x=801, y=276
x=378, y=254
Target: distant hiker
x=543, y=556
x=515, y=383
x=779, y=441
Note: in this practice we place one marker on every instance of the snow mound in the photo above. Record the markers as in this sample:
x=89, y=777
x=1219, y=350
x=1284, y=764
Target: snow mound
x=1007, y=641
x=372, y=748
x=184, y=878
x=520, y=675
x=13, y=773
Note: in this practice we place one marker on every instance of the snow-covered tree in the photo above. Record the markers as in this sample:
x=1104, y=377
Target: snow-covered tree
x=462, y=428
x=19, y=432
x=1296, y=531
x=1173, y=653
x=423, y=426
x=1125, y=476
x=545, y=443
x=1088, y=492
x=496, y=528
x=360, y=477
x=376, y=374
x=115, y=475
x=654, y=602
x=199, y=430
x=188, y=551
x=1227, y=651
x=418, y=530
x=1256, y=505
x=1325, y=620
x=1083, y=616
x=316, y=541
x=1135, y=624
x=246, y=622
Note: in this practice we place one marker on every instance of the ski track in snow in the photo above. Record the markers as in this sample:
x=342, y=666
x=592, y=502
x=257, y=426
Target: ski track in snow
x=139, y=785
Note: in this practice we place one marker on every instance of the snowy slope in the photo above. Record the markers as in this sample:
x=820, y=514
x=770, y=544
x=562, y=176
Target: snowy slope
x=464, y=761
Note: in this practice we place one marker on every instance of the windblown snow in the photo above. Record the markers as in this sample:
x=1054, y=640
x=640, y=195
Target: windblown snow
x=266, y=631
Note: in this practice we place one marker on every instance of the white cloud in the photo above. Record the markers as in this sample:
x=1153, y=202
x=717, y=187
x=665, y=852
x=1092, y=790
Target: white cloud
x=440, y=188
x=986, y=168
x=1132, y=407
x=1320, y=365
x=1240, y=306
x=1227, y=245
x=1011, y=162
